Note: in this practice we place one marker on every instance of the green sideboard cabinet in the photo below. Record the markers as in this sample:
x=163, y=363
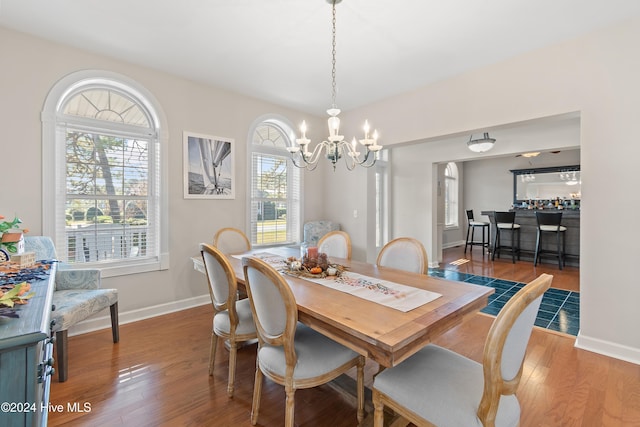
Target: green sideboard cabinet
x=26, y=359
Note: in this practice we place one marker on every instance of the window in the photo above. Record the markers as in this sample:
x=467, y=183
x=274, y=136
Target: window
x=275, y=213
x=106, y=178
x=382, y=199
x=451, y=195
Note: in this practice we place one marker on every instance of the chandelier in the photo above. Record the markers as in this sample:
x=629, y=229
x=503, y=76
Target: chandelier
x=482, y=144
x=334, y=147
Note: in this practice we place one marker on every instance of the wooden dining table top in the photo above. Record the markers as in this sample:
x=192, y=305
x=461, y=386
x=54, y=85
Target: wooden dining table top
x=383, y=334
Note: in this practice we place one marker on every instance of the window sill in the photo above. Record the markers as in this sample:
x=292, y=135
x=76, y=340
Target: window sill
x=127, y=267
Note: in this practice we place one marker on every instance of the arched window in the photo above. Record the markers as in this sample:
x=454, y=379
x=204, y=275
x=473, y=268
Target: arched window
x=103, y=191
x=451, y=195
x=275, y=213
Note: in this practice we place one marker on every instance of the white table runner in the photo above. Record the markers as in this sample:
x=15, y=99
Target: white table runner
x=390, y=294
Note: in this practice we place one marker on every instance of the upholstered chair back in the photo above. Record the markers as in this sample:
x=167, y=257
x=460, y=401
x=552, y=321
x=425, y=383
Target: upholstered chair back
x=404, y=253
x=231, y=241
x=335, y=244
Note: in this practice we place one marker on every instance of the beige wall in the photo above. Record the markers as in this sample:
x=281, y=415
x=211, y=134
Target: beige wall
x=31, y=66
x=595, y=75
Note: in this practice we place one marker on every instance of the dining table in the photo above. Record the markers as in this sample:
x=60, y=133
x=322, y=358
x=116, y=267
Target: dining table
x=384, y=334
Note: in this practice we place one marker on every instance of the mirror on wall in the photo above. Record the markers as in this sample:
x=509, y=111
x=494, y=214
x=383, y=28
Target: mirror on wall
x=558, y=182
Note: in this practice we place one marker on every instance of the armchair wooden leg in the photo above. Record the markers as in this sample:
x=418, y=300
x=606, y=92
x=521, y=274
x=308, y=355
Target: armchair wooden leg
x=115, y=328
x=61, y=355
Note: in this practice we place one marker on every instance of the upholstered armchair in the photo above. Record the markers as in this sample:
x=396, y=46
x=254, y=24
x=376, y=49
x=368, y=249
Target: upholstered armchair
x=76, y=297
x=314, y=230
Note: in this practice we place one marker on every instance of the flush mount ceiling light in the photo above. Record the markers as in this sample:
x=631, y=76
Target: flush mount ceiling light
x=335, y=147
x=481, y=145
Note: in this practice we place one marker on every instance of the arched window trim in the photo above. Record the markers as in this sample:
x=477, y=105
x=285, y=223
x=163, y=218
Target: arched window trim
x=53, y=171
x=286, y=127
x=451, y=195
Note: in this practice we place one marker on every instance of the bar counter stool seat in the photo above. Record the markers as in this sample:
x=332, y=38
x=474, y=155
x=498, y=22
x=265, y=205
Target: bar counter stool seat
x=549, y=222
x=471, y=227
x=506, y=222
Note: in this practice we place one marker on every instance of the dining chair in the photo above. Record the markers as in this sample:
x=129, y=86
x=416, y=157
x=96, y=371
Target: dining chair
x=231, y=241
x=232, y=318
x=437, y=386
x=404, y=253
x=290, y=353
x=77, y=296
x=335, y=244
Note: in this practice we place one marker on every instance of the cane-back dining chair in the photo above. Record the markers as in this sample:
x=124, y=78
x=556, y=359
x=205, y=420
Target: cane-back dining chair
x=436, y=386
x=77, y=296
x=231, y=241
x=232, y=319
x=290, y=353
x=404, y=253
x=335, y=244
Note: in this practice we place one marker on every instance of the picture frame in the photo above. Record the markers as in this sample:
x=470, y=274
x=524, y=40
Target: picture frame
x=209, y=166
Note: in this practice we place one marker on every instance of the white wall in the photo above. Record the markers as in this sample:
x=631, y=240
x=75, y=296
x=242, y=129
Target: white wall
x=595, y=75
x=31, y=66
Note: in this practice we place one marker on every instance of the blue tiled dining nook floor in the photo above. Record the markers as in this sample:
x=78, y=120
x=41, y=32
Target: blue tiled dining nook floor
x=559, y=310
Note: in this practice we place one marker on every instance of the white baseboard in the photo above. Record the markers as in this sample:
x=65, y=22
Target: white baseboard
x=453, y=244
x=607, y=348
x=104, y=322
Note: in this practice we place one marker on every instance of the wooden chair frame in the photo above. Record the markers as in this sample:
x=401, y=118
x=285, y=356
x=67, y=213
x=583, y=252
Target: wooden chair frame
x=424, y=260
x=344, y=235
x=230, y=306
x=286, y=339
x=495, y=385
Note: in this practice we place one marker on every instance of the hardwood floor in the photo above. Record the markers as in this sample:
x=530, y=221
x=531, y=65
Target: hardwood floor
x=158, y=376
x=522, y=271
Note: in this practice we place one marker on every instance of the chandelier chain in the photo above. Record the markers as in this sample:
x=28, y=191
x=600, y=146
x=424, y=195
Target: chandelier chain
x=333, y=58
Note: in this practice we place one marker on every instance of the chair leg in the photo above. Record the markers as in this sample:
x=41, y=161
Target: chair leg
x=233, y=349
x=513, y=248
x=496, y=245
x=378, y=410
x=535, y=257
x=257, y=391
x=466, y=243
x=61, y=355
x=212, y=352
x=115, y=328
x=559, y=250
x=290, y=405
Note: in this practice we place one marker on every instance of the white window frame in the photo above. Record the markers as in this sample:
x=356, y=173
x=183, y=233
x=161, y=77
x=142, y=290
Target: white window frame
x=451, y=196
x=54, y=172
x=294, y=231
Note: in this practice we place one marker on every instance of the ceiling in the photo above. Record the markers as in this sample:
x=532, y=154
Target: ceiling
x=280, y=50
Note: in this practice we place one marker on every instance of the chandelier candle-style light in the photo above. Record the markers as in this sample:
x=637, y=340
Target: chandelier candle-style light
x=335, y=147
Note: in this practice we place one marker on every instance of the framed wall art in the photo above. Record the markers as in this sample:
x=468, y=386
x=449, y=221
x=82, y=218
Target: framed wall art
x=208, y=167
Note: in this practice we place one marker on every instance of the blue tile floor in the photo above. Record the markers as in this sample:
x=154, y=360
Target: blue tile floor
x=559, y=310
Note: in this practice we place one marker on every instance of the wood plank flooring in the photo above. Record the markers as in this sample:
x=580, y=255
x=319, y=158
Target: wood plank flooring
x=157, y=376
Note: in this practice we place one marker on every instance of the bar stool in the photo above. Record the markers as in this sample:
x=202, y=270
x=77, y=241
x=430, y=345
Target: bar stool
x=472, y=225
x=549, y=222
x=505, y=222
